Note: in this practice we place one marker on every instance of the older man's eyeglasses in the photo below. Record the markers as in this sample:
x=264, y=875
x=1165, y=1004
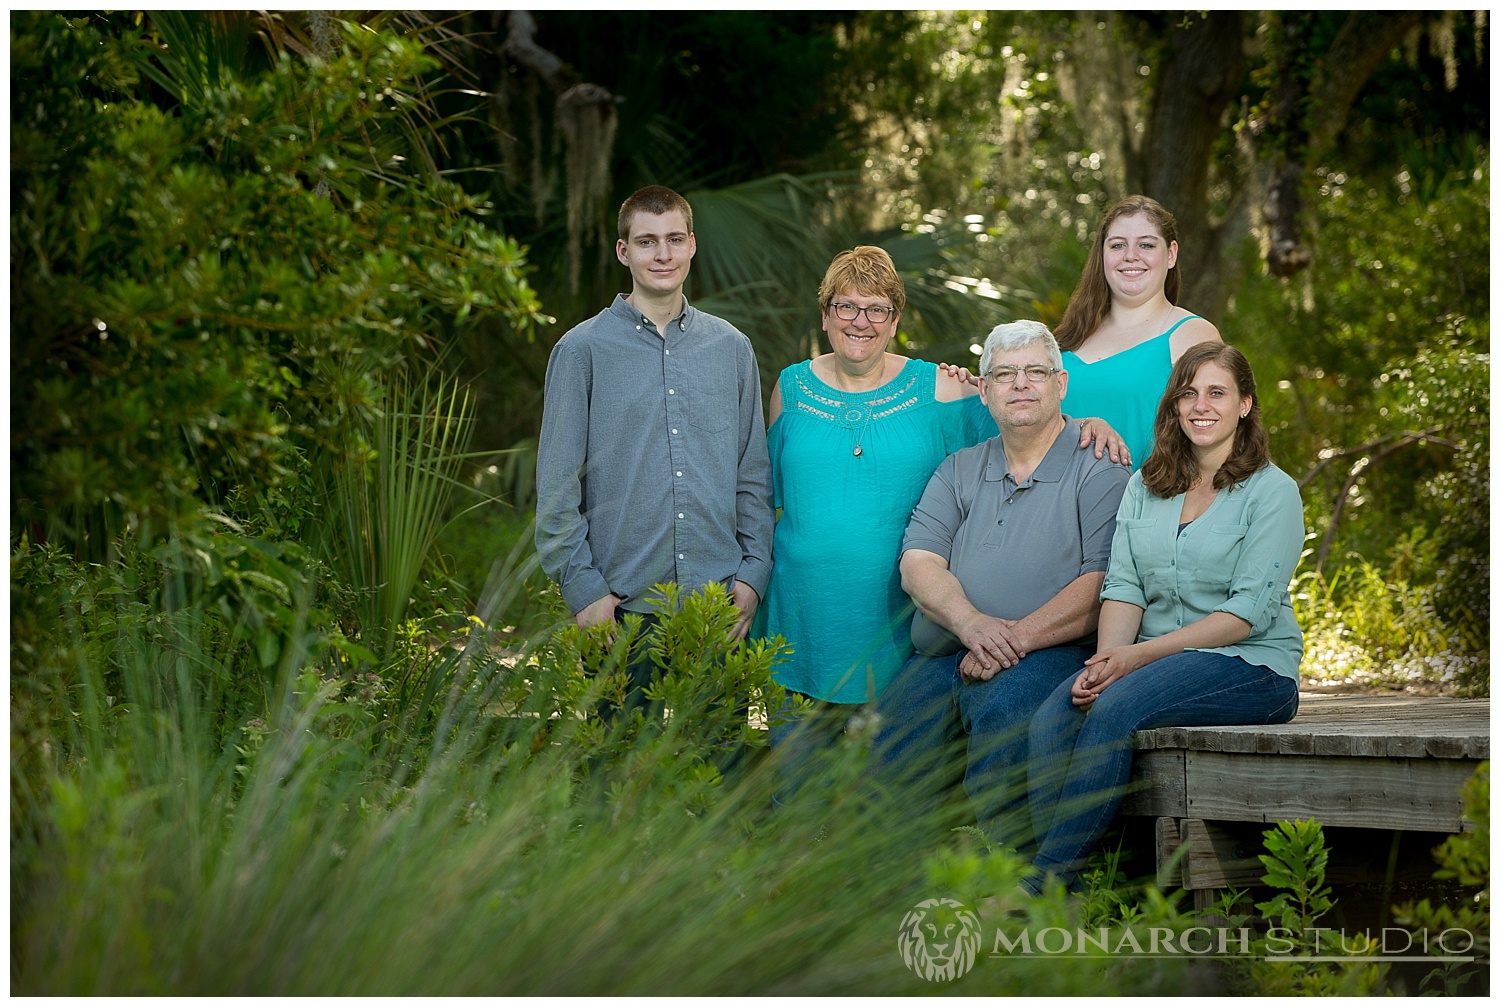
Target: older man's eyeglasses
x=1035, y=373
x=874, y=313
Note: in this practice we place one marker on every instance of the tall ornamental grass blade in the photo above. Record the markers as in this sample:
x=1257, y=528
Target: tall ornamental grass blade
x=391, y=502
x=521, y=855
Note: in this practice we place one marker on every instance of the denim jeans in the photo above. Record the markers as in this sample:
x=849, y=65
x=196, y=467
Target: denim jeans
x=929, y=709
x=1080, y=759
x=639, y=671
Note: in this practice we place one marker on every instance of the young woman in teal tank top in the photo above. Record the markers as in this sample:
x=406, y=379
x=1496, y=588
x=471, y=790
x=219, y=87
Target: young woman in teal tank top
x=1123, y=329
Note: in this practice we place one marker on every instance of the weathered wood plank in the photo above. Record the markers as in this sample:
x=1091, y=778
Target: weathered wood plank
x=1158, y=785
x=1221, y=855
x=1412, y=727
x=1168, y=841
x=1359, y=791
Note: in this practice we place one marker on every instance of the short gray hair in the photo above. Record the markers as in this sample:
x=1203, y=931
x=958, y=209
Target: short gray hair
x=1017, y=336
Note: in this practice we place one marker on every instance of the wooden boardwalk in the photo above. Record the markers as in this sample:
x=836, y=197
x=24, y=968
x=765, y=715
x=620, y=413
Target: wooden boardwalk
x=1378, y=762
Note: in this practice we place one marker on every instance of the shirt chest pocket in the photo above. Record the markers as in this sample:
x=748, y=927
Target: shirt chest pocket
x=1143, y=540
x=713, y=415
x=1218, y=554
x=710, y=396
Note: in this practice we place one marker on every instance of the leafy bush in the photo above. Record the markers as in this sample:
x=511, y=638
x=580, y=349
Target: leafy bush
x=1367, y=627
x=1464, y=858
x=207, y=287
x=1374, y=377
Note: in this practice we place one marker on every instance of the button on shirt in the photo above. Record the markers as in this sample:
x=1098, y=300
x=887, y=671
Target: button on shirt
x=1013, y=546
x=652, y=463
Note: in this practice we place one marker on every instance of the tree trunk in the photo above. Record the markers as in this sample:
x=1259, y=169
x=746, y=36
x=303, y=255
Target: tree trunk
x=1198, y=79
x=585, y=117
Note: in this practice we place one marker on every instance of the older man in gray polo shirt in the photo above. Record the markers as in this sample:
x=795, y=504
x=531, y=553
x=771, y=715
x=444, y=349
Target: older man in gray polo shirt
x=652, y=464
x=1004, y=557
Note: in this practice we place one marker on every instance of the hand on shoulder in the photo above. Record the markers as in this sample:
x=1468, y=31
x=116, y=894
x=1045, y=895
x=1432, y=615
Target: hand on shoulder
x=954, y=383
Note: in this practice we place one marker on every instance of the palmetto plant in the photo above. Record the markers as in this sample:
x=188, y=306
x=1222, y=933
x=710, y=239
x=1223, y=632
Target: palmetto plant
x=204, y=51
x=388, y=502
x=764, y=245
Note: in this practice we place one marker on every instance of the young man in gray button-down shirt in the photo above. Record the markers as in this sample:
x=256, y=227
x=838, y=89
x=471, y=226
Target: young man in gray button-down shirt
x=1004, y=557
x=652, y=464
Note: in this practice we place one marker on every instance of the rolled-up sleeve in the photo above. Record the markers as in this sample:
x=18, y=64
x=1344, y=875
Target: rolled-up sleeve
x=1273, y=544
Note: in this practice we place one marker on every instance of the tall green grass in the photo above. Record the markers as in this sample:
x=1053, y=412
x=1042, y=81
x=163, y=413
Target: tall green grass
x=388, y=504
x=509, y=848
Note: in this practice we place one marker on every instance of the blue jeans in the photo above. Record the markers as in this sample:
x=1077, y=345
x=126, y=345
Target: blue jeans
x=1080, y=759
x=929, y=708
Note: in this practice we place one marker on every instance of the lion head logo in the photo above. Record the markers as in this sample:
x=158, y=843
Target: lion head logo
x=939, y=939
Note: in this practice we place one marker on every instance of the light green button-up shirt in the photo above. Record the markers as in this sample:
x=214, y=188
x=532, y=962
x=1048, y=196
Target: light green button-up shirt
x=1237, y=557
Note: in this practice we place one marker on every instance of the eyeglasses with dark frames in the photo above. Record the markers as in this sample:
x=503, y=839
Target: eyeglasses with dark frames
x=874, y=313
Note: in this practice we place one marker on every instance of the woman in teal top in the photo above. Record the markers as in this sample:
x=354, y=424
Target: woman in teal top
x=1122, y=329
x=854, y=436
x=1197, y=627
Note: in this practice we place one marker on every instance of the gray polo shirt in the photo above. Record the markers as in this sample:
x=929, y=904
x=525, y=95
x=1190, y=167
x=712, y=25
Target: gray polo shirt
x=1014, y=547
x=652, y=465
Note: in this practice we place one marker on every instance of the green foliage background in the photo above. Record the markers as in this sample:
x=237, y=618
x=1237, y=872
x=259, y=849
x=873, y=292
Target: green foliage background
x=191, y=314
x=285, y=690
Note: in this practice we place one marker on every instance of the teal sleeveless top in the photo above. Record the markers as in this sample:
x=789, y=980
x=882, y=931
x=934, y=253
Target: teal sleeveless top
x=847, y=469
x=1123, y=390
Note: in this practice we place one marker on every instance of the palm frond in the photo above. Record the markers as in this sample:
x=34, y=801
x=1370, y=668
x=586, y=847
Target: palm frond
x=389, y=504
x=764, y=245
x=201, y=51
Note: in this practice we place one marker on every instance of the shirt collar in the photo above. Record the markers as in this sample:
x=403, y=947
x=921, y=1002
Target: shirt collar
x=681, y=323
x=1053, y=464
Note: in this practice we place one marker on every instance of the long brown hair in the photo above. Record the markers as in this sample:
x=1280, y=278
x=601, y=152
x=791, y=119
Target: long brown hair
x=1172, y=467
x=1089, y=305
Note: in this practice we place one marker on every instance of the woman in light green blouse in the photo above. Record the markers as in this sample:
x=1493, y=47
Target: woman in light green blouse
x=1196, y=626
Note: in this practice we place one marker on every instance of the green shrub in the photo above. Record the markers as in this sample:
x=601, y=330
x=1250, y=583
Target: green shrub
x=210, y=284
x=1464, y=858
x=1368, y=627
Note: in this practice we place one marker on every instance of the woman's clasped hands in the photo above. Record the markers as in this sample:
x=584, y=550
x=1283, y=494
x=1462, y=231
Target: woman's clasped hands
x=1103, y=670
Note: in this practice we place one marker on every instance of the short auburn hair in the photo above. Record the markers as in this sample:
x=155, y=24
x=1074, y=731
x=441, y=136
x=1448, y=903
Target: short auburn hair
x=656, y=199
x=866, y=270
